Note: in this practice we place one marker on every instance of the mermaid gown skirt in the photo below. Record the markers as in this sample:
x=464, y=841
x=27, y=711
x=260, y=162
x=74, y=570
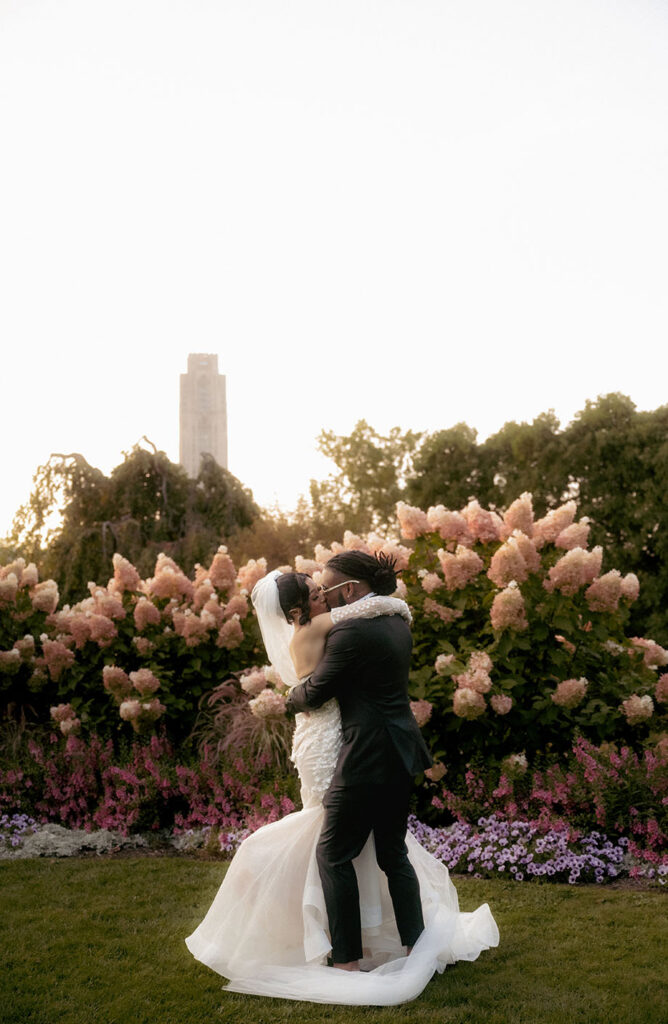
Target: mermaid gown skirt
x=266, y=930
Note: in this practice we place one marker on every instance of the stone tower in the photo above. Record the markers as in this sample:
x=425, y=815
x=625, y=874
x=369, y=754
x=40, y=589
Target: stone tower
x=203, y=413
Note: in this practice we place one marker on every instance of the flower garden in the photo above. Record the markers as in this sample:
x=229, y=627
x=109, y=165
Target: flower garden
x=147, y=707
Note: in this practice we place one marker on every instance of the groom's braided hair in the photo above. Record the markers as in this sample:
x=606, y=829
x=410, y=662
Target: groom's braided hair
x=376, y=570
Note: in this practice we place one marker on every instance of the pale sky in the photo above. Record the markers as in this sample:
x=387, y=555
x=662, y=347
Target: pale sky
x=415, y=212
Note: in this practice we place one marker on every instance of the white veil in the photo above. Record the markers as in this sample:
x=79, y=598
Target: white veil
x=276, y=630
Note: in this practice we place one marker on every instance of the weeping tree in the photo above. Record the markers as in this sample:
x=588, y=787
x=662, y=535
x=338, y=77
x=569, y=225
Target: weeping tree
x=77, y=517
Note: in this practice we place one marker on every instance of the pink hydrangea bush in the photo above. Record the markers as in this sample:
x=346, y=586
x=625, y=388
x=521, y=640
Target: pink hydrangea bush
x=133, y=652
x=548, y=614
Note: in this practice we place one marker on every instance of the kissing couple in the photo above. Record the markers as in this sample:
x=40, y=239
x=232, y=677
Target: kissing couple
x=338, y=902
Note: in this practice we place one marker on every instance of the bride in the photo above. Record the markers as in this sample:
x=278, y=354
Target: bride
x=266, y=930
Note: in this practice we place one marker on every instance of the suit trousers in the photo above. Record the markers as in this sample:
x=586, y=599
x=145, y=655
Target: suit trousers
x=351, y=813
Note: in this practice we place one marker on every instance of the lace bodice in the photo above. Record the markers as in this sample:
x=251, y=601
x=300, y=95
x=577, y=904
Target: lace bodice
x=317, y=737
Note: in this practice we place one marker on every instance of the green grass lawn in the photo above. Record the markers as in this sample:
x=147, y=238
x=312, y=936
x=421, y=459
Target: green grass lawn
x=101, y=940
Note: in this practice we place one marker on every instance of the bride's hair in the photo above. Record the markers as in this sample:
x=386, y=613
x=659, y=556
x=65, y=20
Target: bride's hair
x=293, y=592
x=376, y=570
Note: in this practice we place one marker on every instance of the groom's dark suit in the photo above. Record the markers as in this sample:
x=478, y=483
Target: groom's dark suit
x=365, y=666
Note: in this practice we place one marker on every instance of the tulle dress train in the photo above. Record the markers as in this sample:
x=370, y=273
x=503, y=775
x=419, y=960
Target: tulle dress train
x=266, y=930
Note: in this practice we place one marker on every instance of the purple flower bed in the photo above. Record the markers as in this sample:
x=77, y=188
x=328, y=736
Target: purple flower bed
x=522, y=850
x=15, y=827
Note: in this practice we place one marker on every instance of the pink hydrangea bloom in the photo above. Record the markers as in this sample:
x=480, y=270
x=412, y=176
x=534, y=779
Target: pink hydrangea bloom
x=528, y=550
x=144, y=645
x=57, y=657
x=661, y=691
x=102, y=630
x=70, y=726
x=474, y=679
x=468, y=703
x=637, y=709
x=381, y=546
x=9, y=586
x=653, y=653
x=129, y=710
x=78, y=625
x=322, y=554
x=574, y=536
x=516, y=764
x=237, y=605
x=519, y=515
x=190, y=626
x=431, y=581
x=547, y=529
x=26, y=647
x=306, y=565
x=483, y=525
x=401, y=591
x=105, y=603
x=126, y=576
x=222, y=572
x=422, y=710
x=203, y=592
x=267, y=704
x=116, y=682
x=230, y=634
x=573, y=570
x=501, y=703
x=146, y=614
x=273, y=677
x=10, y=661
x=436, y=772
x=213, y=614
x=445, y=614
x=351, y=542
x=480, y=661
x=44, y=597
x=459, y=568
x=144, y=682
x=413, y=521
x=603, y=594
x=508, y=564
x=61, y=712
x=29, y=576
x=168, y=581
x=253, y=682
x=450, y=525
x=630, y=586
x=508, y=611
x=570, y=692
x=250, y=573
x=442, y=663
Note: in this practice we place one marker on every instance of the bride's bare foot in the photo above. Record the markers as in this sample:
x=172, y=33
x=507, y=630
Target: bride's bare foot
x=351, y=965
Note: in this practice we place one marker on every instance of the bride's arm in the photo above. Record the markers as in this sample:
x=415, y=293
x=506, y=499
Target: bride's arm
x=371, y=608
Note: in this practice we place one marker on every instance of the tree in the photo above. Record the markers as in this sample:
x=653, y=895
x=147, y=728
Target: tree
x=446, y=470
x=370, y=480
x=76, y=517
x=611, y=458
x=618, y=461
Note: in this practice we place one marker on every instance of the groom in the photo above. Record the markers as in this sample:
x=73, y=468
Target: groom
x=365, y=666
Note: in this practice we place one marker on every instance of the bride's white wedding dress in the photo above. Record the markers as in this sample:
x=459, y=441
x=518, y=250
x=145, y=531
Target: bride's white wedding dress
x=266, y=930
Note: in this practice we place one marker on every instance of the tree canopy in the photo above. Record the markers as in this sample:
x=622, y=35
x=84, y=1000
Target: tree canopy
x=147, y=504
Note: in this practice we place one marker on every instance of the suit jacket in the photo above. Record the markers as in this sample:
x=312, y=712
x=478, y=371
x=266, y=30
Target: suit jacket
x=365, y=666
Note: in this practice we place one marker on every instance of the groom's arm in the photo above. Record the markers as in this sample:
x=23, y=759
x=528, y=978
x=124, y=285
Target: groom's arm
x=332, y=673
